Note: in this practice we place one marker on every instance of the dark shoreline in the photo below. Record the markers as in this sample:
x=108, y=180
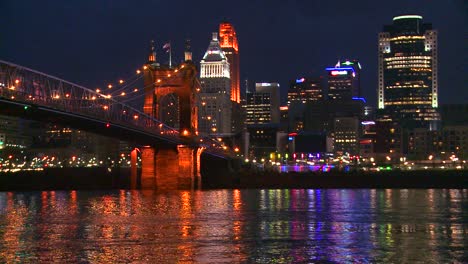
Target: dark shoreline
x=102, y=178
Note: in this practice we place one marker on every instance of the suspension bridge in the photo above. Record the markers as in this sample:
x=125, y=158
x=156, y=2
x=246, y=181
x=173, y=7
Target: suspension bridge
x=170, y=154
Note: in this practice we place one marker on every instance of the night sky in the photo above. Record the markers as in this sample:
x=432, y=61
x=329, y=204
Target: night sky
x=93, y=43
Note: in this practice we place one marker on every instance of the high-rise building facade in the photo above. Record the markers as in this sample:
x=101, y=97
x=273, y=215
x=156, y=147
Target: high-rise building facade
x=302, y=91
x=263, y=105
x=408, y=81
x=344, y=80
x=305, y=90
x=230, y=46
x=214, y=109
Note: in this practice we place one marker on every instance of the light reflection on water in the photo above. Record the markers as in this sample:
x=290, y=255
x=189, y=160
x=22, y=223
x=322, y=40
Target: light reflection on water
x=235, y=226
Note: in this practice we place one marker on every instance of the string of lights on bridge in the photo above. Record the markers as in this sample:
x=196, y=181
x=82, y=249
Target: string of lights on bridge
x=121, y=93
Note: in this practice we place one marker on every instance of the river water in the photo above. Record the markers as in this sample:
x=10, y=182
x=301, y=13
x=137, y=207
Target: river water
x=235, y=226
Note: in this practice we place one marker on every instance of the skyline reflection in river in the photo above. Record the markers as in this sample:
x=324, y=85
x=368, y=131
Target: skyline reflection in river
x=235, y=226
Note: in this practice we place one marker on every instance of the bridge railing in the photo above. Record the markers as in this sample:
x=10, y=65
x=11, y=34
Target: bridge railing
x=28, y=86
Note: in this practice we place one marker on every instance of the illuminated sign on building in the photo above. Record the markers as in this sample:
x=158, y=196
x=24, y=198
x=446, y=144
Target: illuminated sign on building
x=365, y=123
x=300, y=80
x=343, y=72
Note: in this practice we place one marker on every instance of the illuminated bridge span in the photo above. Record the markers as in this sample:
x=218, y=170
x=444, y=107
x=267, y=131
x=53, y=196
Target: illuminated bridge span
x=170, y=157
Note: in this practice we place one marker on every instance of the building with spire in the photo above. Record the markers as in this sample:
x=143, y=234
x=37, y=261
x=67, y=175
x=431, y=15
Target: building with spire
x=214, y=104
x=230, y=46
x=408, y=83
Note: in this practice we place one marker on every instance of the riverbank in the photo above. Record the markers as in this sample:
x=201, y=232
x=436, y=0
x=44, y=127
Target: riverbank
x=95, y=178
x=311, y=180
x=104, y=178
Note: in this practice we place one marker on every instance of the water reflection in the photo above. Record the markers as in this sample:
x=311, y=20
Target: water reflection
x=235, y=226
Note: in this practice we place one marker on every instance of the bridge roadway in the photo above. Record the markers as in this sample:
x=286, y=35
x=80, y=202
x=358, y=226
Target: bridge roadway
x=165, y=153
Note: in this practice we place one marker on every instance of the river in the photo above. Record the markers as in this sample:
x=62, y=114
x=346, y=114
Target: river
x=235, y=226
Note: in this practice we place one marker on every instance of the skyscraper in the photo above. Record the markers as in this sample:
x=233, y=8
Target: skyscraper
x=304, y=90
x=263, y=105
x=407, y=88
x=301, y=92
x=214, y=109
x=344, y=80
x=230, y=46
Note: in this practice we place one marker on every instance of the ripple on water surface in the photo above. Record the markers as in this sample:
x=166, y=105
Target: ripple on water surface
x=235, y=226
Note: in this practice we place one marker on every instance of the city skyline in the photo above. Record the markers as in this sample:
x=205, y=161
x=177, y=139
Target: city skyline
x=113, y=39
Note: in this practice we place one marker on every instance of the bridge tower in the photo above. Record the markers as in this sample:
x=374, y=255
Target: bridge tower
x=161, y=81
x=171, y=166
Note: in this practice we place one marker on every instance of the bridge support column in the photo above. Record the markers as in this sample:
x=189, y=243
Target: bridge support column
x=148, y=168
x=170, y=168
x=134, y=168
x=187, y=167
x=167, y=169
x=198, y=179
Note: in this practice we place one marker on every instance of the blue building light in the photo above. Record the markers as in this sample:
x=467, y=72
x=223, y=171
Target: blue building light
x=301, y=80
x=339, y=68
x=360, y=98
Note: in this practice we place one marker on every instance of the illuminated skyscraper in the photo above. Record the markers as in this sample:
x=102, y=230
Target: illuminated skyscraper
x=214, y=109
x=263, y=105
x=407, y=89
x=344, y=80
x=305, y=90
x=228, y=42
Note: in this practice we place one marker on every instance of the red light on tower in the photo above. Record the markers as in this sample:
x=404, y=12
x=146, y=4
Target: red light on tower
x=229, y=44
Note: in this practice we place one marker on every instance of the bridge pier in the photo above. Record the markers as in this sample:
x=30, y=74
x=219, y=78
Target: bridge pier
x=134, y=169
x=169, y=168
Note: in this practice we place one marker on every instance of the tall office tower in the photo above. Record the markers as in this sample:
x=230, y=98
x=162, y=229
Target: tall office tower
x=305, y=90
x=274, y=90
x=302, y=91
x=230, y=46
x=407, y=89
x=214, y=109
x=344, y=80
x=263, y=105
x=258, y=108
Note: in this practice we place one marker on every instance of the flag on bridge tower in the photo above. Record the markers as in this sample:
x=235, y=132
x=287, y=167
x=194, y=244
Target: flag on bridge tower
x=167, y=48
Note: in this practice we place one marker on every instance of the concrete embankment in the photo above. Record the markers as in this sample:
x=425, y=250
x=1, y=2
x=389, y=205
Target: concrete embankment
x=119, y=178
x=388, y=179
x=66, y=179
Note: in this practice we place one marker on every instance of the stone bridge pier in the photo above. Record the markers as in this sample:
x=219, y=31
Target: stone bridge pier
x=167, y=167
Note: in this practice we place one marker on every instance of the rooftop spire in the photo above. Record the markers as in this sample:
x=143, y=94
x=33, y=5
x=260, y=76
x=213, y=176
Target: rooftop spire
x=214, y=52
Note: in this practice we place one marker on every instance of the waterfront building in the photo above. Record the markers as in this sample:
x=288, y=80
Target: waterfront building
x=344, y=80
x=407, y=72
x=214, y=106
x=449, y=143
x=263, y=141
x=346, y=135
x=13, y=136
